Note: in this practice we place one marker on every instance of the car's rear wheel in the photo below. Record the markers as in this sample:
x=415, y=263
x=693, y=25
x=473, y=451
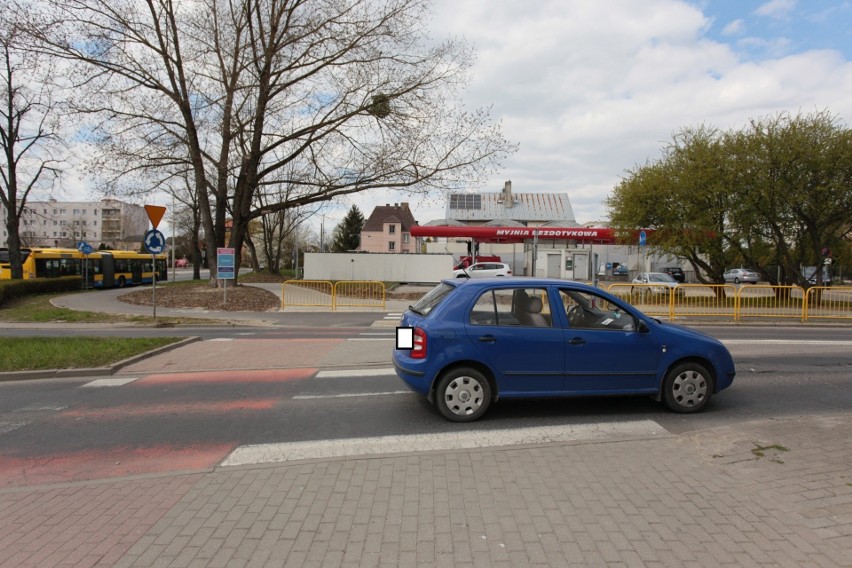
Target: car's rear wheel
x=687, y=387
x=736, y=280
x=463, y=394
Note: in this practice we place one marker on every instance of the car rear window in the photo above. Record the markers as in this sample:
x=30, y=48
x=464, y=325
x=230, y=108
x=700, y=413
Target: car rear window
x=432, y=298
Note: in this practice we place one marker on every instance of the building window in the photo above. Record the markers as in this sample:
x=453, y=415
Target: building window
x=391, y=246
x=405, y=238
x=391, y=229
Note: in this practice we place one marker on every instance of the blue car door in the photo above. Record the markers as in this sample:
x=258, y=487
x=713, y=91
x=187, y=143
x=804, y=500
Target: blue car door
x=522, y=345
x=605, y=352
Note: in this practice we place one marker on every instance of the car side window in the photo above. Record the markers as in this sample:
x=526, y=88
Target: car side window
x=484, y=312
x=513, y=307
x=590, y=311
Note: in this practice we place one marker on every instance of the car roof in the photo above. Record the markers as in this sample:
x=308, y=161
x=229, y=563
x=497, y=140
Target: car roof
x=514, y=282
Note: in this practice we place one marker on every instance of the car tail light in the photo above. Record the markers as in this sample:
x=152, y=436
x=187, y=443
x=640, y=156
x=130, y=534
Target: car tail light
x=509, y=271
x=419, y=349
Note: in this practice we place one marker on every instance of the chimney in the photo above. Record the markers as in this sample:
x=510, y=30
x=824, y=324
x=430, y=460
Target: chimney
x=507, y=194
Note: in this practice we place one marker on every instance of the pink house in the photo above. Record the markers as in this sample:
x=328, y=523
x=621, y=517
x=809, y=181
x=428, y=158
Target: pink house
x=388, y=229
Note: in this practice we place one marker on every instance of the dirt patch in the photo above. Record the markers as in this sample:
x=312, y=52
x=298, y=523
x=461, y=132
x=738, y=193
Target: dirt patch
x=240, y=298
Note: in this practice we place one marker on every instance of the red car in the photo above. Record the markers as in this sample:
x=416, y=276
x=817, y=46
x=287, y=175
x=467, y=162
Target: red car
x=181, y=263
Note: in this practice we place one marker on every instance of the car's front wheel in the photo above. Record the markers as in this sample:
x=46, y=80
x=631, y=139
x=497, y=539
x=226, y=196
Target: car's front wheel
x=463, y=394
x=687, y=387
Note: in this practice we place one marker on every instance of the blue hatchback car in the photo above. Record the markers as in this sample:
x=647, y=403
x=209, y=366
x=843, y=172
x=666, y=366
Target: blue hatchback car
x=468, y=342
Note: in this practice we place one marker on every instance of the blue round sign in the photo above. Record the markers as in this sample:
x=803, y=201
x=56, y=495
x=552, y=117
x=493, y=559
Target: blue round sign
x=641, y=238
x=154, y=241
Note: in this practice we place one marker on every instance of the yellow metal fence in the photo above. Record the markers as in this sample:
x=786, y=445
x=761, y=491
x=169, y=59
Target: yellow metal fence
x=343, y=294
x=738, y=302
x=725, y=301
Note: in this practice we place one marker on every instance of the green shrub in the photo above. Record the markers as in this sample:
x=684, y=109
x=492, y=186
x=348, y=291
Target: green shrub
x=10, y=289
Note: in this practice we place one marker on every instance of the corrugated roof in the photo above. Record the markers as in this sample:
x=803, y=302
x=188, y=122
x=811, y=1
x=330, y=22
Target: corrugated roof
x=526, y=207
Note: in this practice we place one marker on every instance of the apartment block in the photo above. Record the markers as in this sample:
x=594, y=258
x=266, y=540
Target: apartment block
x=115, y=224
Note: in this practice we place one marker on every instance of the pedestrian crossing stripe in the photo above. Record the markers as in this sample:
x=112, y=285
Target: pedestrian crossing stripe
x=464, y=440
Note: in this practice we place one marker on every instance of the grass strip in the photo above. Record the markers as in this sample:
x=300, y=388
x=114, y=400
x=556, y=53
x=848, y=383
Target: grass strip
x=37, y=353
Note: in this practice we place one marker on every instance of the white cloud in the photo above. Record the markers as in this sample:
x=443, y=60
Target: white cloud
x=737, y=27
x=591, y=89
x=776, y=9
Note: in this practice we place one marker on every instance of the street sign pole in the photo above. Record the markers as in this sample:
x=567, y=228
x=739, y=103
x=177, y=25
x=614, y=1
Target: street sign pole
x=154, y=284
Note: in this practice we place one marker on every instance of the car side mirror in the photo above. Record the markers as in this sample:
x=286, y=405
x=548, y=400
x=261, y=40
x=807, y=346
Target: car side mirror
x=643, y=327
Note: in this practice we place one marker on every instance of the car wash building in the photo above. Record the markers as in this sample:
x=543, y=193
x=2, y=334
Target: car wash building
x=536, y=234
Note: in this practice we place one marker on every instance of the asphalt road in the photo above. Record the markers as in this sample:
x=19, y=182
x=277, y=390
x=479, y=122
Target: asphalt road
x=162, y=425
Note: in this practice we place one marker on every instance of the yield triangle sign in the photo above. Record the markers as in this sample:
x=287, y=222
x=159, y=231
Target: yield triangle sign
x=155, y=214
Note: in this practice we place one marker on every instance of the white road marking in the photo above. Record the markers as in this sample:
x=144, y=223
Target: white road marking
x=110, y=382
x=293, y=451
x=371, y=339
x=6, y=427
x=57, y=408
x=348, y=395
x=382, y=333
x=827, y=343
x=221, y=339
x=356, y=373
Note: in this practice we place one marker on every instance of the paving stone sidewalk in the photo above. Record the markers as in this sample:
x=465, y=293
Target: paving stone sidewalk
x=765, y=493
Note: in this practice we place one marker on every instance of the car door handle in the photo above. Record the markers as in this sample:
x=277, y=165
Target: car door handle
x=576, y=341
x=487, y=338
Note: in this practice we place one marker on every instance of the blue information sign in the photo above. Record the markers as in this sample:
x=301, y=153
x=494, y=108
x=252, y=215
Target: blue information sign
x=85, y=247
x=225, y=263
x=641, y=238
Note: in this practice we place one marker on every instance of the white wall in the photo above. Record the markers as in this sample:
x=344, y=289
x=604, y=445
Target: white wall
x=377, y=266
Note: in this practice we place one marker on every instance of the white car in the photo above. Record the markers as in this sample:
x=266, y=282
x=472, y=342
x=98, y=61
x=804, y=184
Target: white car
x=737, y=275
x=661, y=282
x=483, y=270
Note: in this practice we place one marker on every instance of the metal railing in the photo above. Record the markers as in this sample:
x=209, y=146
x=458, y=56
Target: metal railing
x=825, y=302
x=324, y=294
x=364, y=294
x=307, y=293
x=738, y=303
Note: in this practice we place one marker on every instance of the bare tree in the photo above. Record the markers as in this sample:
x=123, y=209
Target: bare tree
x=328, y=97
x=28, y=132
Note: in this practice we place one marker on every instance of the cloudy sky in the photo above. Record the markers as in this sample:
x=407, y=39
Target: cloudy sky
x=591, y=88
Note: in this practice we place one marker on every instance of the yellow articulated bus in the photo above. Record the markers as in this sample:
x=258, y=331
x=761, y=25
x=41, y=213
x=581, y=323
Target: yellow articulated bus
x=103, y=268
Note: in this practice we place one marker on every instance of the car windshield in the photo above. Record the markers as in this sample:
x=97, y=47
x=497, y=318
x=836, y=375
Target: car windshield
x=660, y=277
x=432, y=298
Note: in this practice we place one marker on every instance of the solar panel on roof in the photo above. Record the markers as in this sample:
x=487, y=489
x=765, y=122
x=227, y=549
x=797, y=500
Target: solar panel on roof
x=465, y=201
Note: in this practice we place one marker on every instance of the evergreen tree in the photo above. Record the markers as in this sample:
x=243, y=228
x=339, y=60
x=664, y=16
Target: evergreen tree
x=347, y=233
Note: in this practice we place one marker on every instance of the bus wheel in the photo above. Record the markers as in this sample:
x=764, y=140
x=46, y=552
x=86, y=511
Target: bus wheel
x=121, y=281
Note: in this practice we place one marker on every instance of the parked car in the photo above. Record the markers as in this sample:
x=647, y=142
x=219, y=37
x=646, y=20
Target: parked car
x=483, y=270
x=662, y=283
x=813, y=275
x=181, y=263
x=737, y=275
x=675, y=272
x=468, y=342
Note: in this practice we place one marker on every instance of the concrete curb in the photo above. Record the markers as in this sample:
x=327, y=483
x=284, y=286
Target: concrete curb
x=95, y=371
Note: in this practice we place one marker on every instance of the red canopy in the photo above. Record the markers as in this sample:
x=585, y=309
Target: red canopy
x=520, y=234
